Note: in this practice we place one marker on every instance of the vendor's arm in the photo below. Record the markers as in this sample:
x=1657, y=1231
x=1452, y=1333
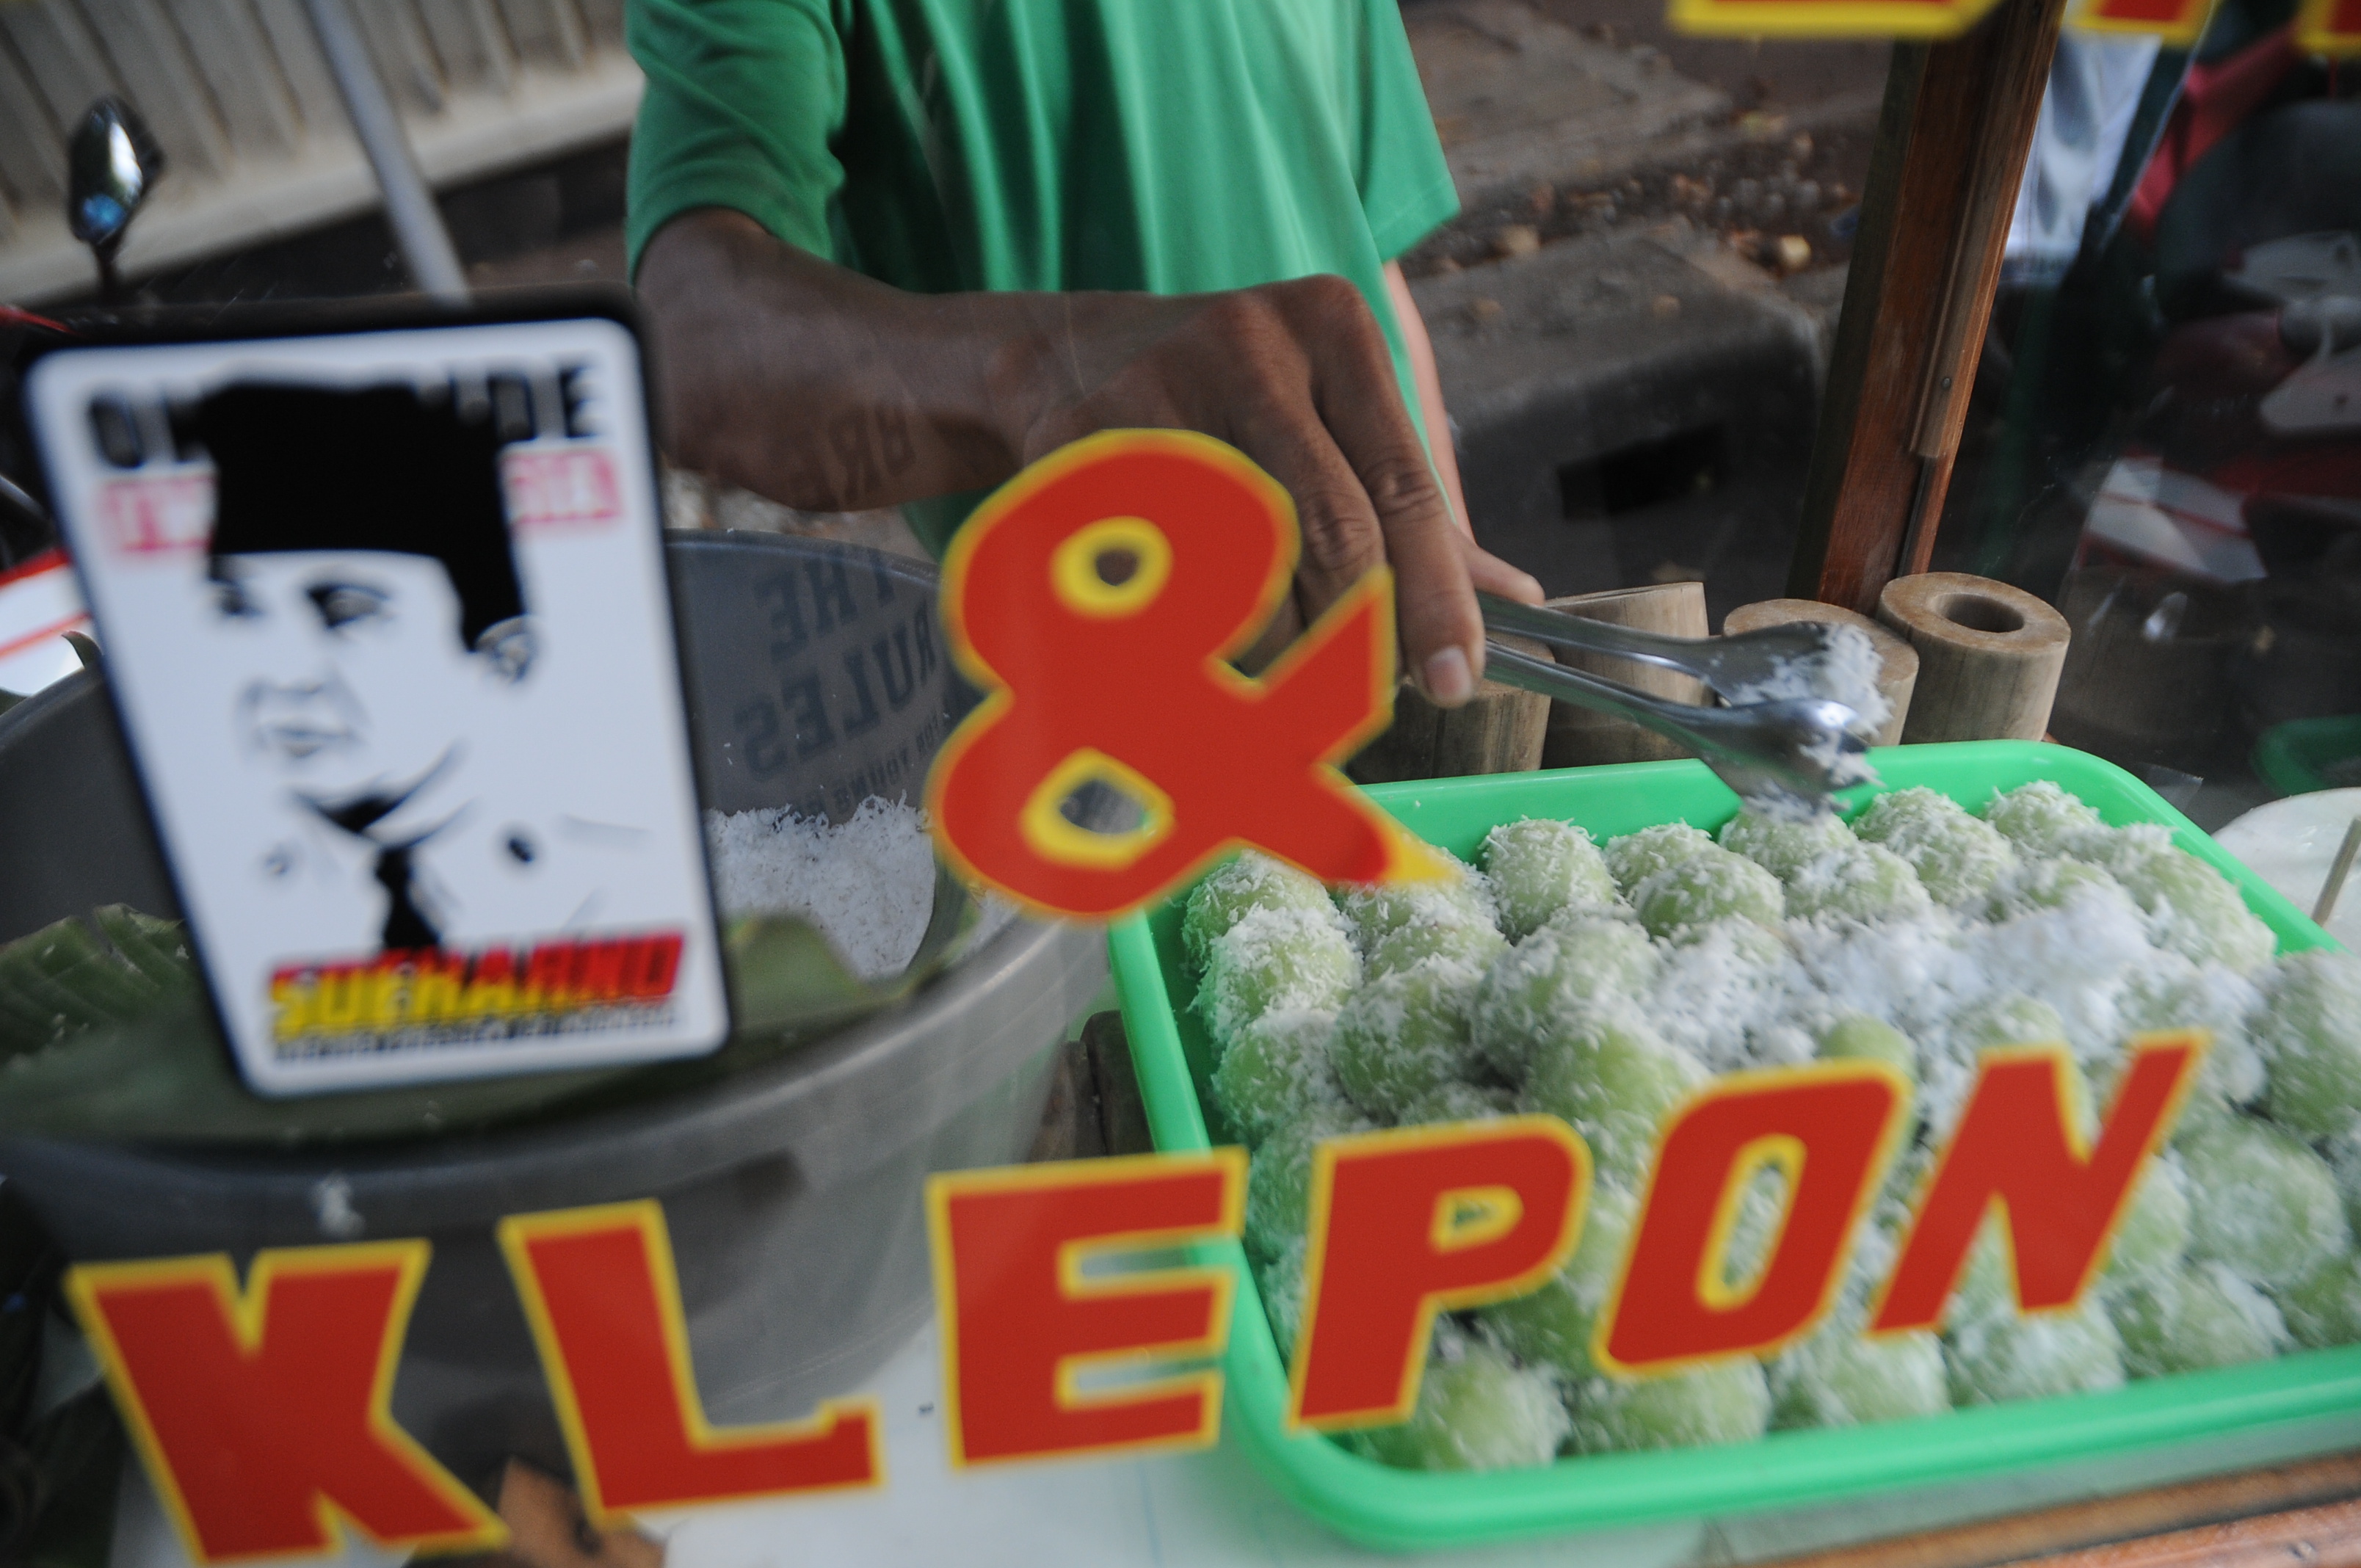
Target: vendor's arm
x=828, y=390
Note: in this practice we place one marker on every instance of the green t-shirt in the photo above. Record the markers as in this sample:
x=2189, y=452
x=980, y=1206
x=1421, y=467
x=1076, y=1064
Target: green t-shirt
x=1171, y=145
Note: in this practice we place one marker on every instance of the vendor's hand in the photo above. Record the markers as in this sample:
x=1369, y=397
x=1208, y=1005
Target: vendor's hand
x=1298, y=377
x=831, y=391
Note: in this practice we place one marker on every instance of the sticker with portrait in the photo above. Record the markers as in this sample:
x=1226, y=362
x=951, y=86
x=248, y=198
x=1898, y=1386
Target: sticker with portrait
x=386, y=619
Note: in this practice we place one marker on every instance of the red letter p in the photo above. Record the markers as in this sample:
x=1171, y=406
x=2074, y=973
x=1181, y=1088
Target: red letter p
x=1414, y=1222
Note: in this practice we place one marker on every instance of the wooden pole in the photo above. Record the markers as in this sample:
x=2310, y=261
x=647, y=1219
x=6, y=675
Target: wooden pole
x=1952, y=142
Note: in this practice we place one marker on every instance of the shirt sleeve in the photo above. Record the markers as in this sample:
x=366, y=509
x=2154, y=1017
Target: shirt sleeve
x=743, y=98
x=1406, y=190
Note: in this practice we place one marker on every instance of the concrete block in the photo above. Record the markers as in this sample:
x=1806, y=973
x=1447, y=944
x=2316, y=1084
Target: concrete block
x=1630, y=408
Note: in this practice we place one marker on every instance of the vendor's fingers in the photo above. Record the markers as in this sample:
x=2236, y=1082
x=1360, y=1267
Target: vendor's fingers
x=1493, y=575
x=1435, y=608
x=1432, y=594
x=1342, y=541
x=1358, y=401
x=1346, y=536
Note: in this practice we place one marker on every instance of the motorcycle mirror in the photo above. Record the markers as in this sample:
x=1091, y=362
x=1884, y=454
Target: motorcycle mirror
x=111, y=164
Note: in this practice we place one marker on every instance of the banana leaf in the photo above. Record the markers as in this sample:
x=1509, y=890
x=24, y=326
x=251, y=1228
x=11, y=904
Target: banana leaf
x=114, y=1039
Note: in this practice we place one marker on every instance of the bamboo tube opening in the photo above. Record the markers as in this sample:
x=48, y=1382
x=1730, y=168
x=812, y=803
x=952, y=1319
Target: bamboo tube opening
x=1977, y=612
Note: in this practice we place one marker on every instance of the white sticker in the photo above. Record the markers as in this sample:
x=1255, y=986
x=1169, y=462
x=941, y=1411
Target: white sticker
x=385, y=616
x=38, y=605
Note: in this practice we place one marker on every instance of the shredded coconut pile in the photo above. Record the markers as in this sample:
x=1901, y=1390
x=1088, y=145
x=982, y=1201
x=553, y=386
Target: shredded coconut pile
x=1724, y=981
x=868, y=882
x=1845, y=670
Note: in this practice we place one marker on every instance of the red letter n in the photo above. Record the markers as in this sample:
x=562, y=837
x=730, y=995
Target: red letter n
x=2017, y=1145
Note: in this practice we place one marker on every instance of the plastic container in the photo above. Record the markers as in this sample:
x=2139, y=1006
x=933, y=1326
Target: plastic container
x=2307, y=754
x=792, y=1191
x=2143, y=1433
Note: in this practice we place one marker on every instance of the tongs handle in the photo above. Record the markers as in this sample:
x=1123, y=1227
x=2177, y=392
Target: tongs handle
x=1550, y=679
x=1736, y=668
x=1561, y=629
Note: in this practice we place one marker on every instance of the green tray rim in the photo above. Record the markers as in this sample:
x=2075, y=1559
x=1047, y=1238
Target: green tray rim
x=1375, y=1506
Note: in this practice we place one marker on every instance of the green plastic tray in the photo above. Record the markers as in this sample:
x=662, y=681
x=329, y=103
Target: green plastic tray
x=1376, y=1505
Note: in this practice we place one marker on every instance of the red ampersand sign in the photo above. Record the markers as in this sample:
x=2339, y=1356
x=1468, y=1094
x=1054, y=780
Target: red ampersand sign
x=1099, y=675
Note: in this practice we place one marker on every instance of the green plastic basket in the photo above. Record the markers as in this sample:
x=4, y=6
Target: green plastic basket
x=1376, y=1505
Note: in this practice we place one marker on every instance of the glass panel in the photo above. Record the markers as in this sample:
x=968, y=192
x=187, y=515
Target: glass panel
x=2166, y=435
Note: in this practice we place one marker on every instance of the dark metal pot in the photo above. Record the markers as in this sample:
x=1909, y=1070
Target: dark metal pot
x=792, y=1192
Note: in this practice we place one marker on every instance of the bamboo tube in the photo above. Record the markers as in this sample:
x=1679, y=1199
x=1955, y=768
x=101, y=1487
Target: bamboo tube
x=1578, y=737
x=1989, y=657
x=1897, y=660
x=1498, y=730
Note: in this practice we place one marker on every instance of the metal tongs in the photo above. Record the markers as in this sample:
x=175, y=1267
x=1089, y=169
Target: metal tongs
x=1790, y=754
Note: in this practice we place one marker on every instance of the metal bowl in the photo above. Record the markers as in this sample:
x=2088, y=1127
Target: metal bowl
x=792, y=1191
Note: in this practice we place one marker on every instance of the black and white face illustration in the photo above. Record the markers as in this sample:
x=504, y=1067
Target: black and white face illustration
x=394, y=659
x=370, y=621
x=353, y=680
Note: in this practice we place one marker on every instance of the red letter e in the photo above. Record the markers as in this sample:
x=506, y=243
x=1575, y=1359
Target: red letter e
x=1020, y=1320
